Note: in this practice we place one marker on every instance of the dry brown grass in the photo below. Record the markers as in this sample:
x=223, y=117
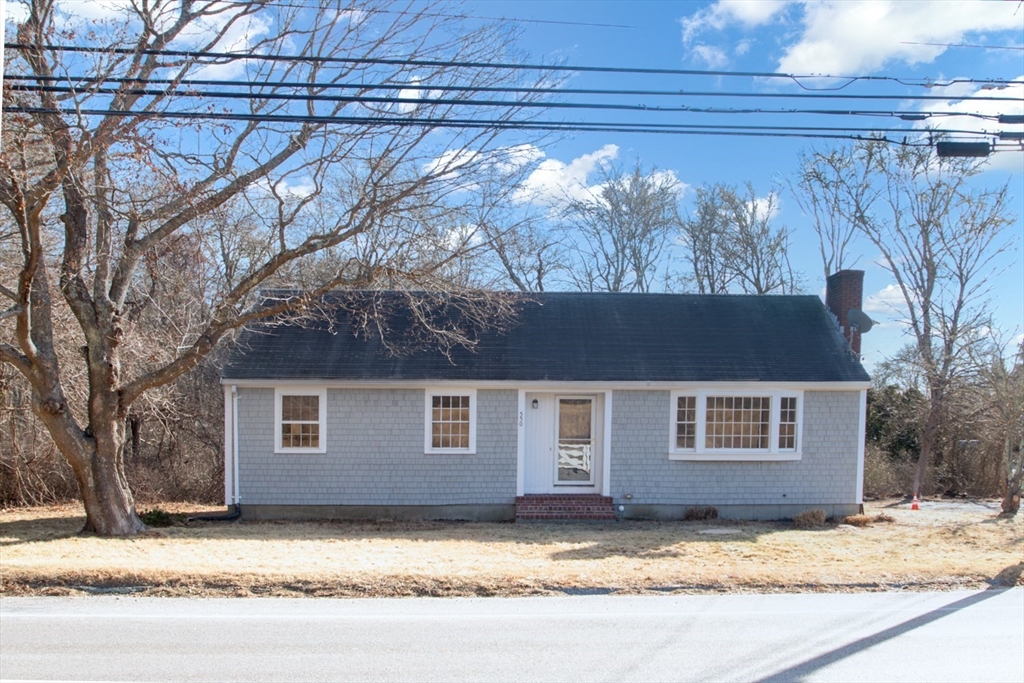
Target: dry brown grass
x=41, y=552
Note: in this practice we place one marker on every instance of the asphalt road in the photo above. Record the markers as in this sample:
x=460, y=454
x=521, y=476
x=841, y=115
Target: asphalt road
x=958, y=636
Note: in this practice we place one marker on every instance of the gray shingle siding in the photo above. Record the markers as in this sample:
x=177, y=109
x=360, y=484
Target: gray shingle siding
x=375, y=440
x=375, y=455
x=826, y=474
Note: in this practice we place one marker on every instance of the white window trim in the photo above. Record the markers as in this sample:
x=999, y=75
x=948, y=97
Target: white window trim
x=429, y=394
x=300, y=391
x=772, y=453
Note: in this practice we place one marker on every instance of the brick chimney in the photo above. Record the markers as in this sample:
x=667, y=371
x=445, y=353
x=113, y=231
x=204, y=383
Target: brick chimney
x=845, y=290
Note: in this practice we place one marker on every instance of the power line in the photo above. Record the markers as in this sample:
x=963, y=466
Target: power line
x=366, y=99
x=505, y=89
x=575, y=126
x=206, y=54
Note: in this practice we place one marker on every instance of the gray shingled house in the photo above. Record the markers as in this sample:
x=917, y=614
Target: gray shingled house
x=589, y=406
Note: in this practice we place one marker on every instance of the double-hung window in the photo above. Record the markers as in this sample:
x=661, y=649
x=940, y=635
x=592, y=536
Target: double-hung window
x=450, y=421
x=735, y=425
x=300, y=420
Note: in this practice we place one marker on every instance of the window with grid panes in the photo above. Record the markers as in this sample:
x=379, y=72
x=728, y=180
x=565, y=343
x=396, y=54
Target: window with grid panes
x=738, y=422
x=300, y=420
x=787, y=423
x=449, y=422
x=686, y=422
x=709, y=424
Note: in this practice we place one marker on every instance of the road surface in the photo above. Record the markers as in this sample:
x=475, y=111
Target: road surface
x=957, y=636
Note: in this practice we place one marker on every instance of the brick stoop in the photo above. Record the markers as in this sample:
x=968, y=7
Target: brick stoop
x=564, y=506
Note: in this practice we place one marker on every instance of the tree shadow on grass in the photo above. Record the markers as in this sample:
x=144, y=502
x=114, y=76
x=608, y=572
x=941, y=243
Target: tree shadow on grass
x=594, y=540
x=16, y=532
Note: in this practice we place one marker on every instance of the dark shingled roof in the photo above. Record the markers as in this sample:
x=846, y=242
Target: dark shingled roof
x=583, y=337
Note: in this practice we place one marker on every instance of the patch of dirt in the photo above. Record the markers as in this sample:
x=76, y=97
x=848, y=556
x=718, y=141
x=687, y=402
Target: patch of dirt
x=941, y=546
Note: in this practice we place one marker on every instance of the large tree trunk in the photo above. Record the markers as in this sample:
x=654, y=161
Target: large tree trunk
x=96, y=457
x=929, y=437
x=109, y=505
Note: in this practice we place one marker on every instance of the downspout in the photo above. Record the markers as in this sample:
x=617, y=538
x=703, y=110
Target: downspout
x=234, y=445
x=236, y=498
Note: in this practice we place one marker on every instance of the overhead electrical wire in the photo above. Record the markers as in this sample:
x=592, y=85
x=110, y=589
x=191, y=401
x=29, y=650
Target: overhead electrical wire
x=207, y=54
x=476, y=123
x=405, y=100
x=506, y=89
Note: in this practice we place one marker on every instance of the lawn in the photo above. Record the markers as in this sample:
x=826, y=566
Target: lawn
x=943, y=545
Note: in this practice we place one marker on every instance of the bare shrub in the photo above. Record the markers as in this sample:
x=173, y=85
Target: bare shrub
x=808, y=519
x=858, y=520
x=885, y=475
x=700, y=513
x=882, y=518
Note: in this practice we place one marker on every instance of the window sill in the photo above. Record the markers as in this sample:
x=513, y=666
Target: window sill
x=299, y=451
x=736, y=457
x=453, y=451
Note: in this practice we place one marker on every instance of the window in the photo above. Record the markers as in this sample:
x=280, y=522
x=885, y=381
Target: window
x=299, y=426
x=451, y=421
x=787, y=423
x=738, y=422
x=719, y=425
x=686, y=422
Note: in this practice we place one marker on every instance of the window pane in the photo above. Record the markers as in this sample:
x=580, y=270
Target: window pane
x=742, y=422
x=787, y=423
x=450, y=421
x=574, y=418
x=686, y=422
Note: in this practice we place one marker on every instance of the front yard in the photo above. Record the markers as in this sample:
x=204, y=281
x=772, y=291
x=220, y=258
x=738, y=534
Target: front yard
x=944, y=545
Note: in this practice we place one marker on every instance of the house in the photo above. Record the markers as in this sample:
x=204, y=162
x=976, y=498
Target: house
x=592, y=405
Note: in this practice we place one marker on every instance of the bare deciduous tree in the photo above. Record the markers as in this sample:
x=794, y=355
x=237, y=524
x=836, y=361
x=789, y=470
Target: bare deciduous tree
x=705, y=234
x=102, y=198
x=619, y=233
x=938, y=234
x=828, y=186
x=731, y=242
x=758, y=252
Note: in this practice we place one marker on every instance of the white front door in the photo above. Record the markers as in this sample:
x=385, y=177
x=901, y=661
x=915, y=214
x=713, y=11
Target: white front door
x=562, y=443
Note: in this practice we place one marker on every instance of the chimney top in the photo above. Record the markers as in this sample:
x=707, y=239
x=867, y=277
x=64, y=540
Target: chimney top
x=844, y=290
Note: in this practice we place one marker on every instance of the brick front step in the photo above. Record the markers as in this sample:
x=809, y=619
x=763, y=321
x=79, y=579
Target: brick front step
x=568, y=506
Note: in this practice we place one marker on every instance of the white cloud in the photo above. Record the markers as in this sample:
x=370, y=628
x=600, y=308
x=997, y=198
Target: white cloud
x=462, y=237
x=513, y=158
x=352, y=16
x=742, y=47
x=886, y=301
x=862, y=36
x=412, y=93
x=726, y=12
x=713, y=57
x=849, y=37
x=767, y=208
x=298, y=188
x=555, y=182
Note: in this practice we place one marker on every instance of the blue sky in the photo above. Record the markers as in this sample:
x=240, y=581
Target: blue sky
x=851, y=37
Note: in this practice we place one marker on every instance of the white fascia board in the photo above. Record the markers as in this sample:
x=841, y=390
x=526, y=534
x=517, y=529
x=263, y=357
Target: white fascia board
x=540, y=385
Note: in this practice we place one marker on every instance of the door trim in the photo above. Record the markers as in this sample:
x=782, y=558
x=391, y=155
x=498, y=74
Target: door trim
x=524, y=468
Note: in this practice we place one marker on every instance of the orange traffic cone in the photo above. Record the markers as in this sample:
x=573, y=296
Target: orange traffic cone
x=914, y=506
